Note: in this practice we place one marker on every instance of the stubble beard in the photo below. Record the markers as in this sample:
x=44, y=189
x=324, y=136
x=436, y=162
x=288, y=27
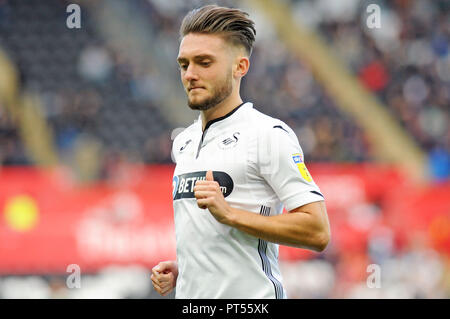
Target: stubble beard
x=220, y=94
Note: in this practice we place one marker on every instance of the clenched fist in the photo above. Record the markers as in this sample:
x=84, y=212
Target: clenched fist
x=209, y=195
x=164, y=277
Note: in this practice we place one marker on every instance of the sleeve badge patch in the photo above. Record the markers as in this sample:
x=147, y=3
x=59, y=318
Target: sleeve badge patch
x=301, y=166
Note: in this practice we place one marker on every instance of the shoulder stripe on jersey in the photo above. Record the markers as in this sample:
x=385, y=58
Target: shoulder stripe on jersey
x=279, y=126
x=262, y=249
x=317, y=193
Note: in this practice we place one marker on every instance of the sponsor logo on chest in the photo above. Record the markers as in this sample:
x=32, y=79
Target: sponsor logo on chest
x=183, y=185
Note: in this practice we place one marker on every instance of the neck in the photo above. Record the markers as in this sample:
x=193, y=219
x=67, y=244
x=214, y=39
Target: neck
x=221, y=109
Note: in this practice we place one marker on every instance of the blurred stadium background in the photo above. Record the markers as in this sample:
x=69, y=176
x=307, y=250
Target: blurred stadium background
x=87, y=117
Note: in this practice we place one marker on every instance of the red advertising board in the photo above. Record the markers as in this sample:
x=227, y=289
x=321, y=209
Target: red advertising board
x=49, y=222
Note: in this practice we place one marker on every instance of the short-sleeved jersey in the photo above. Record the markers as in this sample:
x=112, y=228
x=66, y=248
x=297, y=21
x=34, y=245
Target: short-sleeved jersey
x=259, y=165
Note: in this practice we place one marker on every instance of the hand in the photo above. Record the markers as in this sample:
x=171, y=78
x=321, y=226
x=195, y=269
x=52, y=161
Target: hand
x=209, y=195
x=164, y=277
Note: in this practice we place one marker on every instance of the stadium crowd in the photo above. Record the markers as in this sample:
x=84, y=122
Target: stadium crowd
x=405, y=63
x=12, y=150
x=90, y=88
x=93, y=90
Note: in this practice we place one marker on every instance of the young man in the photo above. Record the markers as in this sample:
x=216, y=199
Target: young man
x=235, y=169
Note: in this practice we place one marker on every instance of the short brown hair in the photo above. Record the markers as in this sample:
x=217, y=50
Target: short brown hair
x=233, y=24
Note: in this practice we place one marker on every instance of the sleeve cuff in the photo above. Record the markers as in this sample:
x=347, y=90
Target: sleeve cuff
x=298, y=200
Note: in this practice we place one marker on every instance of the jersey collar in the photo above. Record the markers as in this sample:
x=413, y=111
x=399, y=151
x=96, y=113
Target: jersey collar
x=208, y=124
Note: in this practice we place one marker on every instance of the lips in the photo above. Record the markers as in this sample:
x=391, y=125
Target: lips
x=196, y=87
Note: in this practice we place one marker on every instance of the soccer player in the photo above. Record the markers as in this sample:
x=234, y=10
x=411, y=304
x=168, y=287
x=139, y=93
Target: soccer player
x=235, y=170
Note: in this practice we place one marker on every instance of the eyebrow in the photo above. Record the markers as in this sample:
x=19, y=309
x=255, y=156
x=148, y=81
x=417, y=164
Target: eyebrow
x=196, y=58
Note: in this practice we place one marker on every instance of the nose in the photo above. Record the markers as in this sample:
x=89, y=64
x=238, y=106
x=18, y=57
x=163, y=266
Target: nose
x=190, y=74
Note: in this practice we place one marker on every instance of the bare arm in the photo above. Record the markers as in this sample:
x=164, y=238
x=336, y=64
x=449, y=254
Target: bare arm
x=306, y=226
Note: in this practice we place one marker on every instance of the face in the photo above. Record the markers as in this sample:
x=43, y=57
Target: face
x=205, y=63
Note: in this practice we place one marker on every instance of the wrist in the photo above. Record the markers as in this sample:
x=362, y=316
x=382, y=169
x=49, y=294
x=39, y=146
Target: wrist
x=231, y=219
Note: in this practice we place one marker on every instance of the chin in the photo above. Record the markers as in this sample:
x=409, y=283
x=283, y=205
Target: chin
x=198, y=100
x=199, y=104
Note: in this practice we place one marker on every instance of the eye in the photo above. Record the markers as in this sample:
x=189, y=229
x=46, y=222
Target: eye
x=182, y=67
x=205, y=64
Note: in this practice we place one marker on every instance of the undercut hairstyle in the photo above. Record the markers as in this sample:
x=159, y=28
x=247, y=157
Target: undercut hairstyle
x=233, y=24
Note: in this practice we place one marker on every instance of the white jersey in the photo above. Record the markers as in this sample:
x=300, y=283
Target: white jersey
x=258, y=162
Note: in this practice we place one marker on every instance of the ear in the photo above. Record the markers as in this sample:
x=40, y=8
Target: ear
x=241, y=66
